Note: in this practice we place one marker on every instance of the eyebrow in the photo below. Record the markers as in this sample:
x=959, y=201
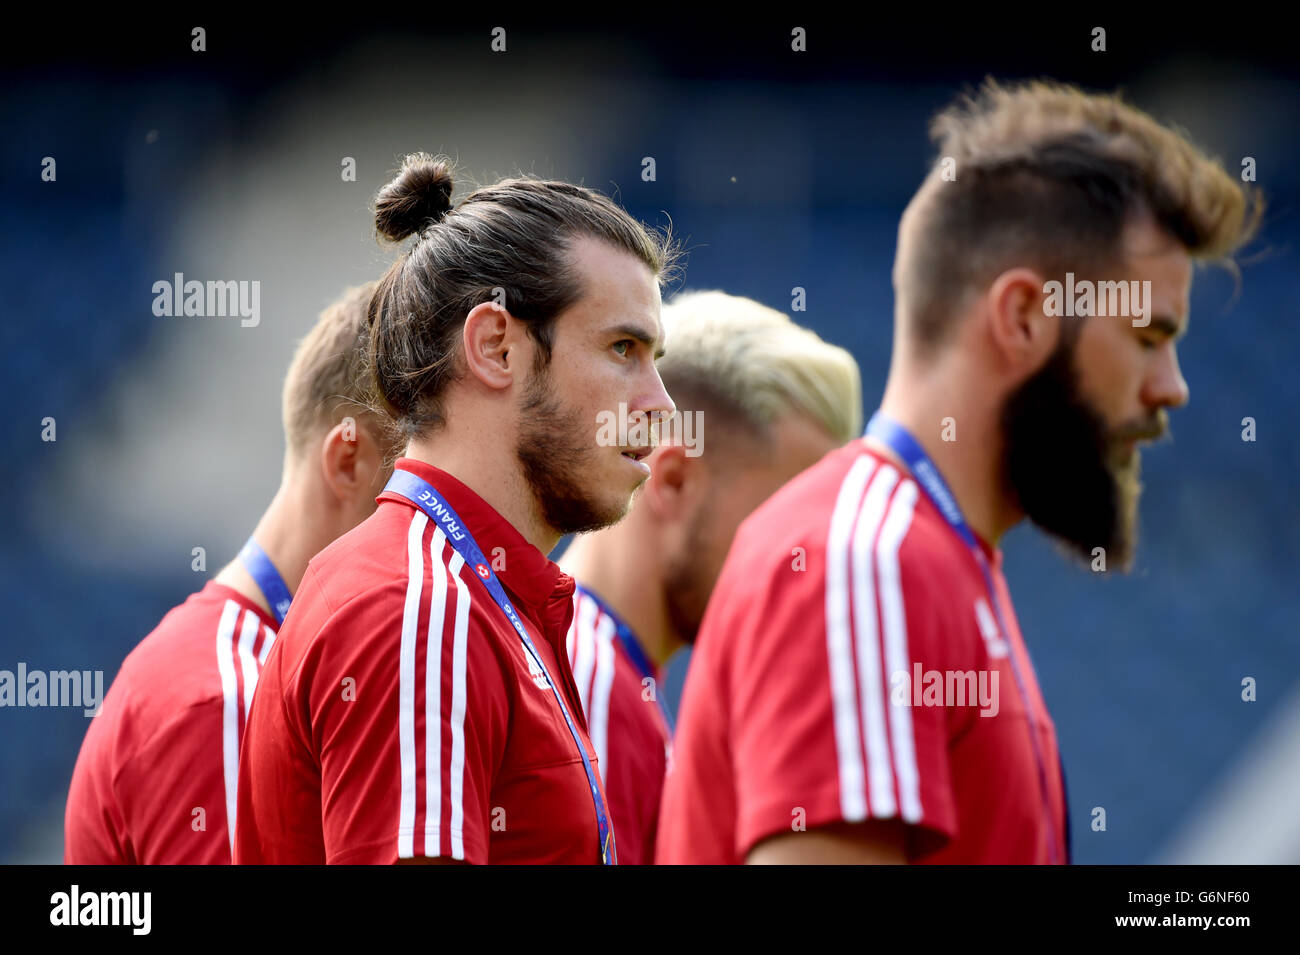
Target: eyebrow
x=639, y=334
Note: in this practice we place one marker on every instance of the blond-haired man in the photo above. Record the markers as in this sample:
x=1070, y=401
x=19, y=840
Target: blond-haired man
x=758, y=399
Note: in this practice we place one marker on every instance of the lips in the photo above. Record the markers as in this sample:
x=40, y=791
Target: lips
x=1143, y=430
x=1145, y=437
x=1127, y=443
x=638, y=454
x=1131, y=442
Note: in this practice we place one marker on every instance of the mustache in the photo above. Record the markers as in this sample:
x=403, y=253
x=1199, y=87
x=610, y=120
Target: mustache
x=1151, y=429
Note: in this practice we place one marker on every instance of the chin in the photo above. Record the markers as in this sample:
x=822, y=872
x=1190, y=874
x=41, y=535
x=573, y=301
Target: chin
x=623, y=507
x=607, y=511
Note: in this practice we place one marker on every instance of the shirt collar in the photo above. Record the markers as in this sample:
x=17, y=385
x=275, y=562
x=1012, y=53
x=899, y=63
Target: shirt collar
x=225, y=592
x=887, y=454
x=523, y=569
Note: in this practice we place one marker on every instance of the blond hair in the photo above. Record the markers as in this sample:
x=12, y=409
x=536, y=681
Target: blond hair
x=1042, y=174
x=751, y=363
x=328, y=379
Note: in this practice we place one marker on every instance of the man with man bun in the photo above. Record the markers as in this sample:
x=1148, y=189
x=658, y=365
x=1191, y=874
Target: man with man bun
x=418, y=705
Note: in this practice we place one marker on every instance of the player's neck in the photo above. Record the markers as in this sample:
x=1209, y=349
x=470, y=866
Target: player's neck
x=291, y=533
x=624, y=577
x=962, y=435
x=491, y=470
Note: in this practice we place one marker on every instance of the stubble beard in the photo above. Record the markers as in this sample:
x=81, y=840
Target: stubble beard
x=558, y=457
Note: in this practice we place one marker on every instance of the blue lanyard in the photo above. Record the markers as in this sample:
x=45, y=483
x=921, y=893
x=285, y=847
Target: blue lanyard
x=636, y=653
x=424, y=496
x=894, y=436
x=267, y=578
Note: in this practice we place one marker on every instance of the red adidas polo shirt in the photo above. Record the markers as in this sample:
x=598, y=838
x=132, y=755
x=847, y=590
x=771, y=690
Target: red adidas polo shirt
x=399, y=714
x=849, y=667
x=628, y=731
x=155, y=780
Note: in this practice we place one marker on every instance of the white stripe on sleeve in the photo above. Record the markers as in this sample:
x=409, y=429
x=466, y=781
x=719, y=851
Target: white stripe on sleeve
x=459, y=650
x=433, y=699
x=248, y=662
x=839, y=648
x=866, y=635
x=266, y=646
x=585, y=658
x=406, y=683
x=598, y=714
x=897, y=657
x=230, y=711
x=571, y=637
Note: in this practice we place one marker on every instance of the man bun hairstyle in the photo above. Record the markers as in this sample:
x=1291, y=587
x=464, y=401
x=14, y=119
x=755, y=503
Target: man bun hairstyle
x=419, y=197
x=509, y=242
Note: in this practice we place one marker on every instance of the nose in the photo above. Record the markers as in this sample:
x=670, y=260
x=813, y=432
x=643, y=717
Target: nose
x=656, y=403
x=1165, y=386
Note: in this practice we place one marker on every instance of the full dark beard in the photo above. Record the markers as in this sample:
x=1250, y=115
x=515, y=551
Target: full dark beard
x=1062, y=465
x=555, y=452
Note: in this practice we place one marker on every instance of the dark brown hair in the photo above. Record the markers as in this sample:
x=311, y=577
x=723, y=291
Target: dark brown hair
x=1048, y=176
x=510, y=241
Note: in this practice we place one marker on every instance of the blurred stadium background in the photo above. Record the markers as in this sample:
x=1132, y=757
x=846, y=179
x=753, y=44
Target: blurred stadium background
x=777, y=170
